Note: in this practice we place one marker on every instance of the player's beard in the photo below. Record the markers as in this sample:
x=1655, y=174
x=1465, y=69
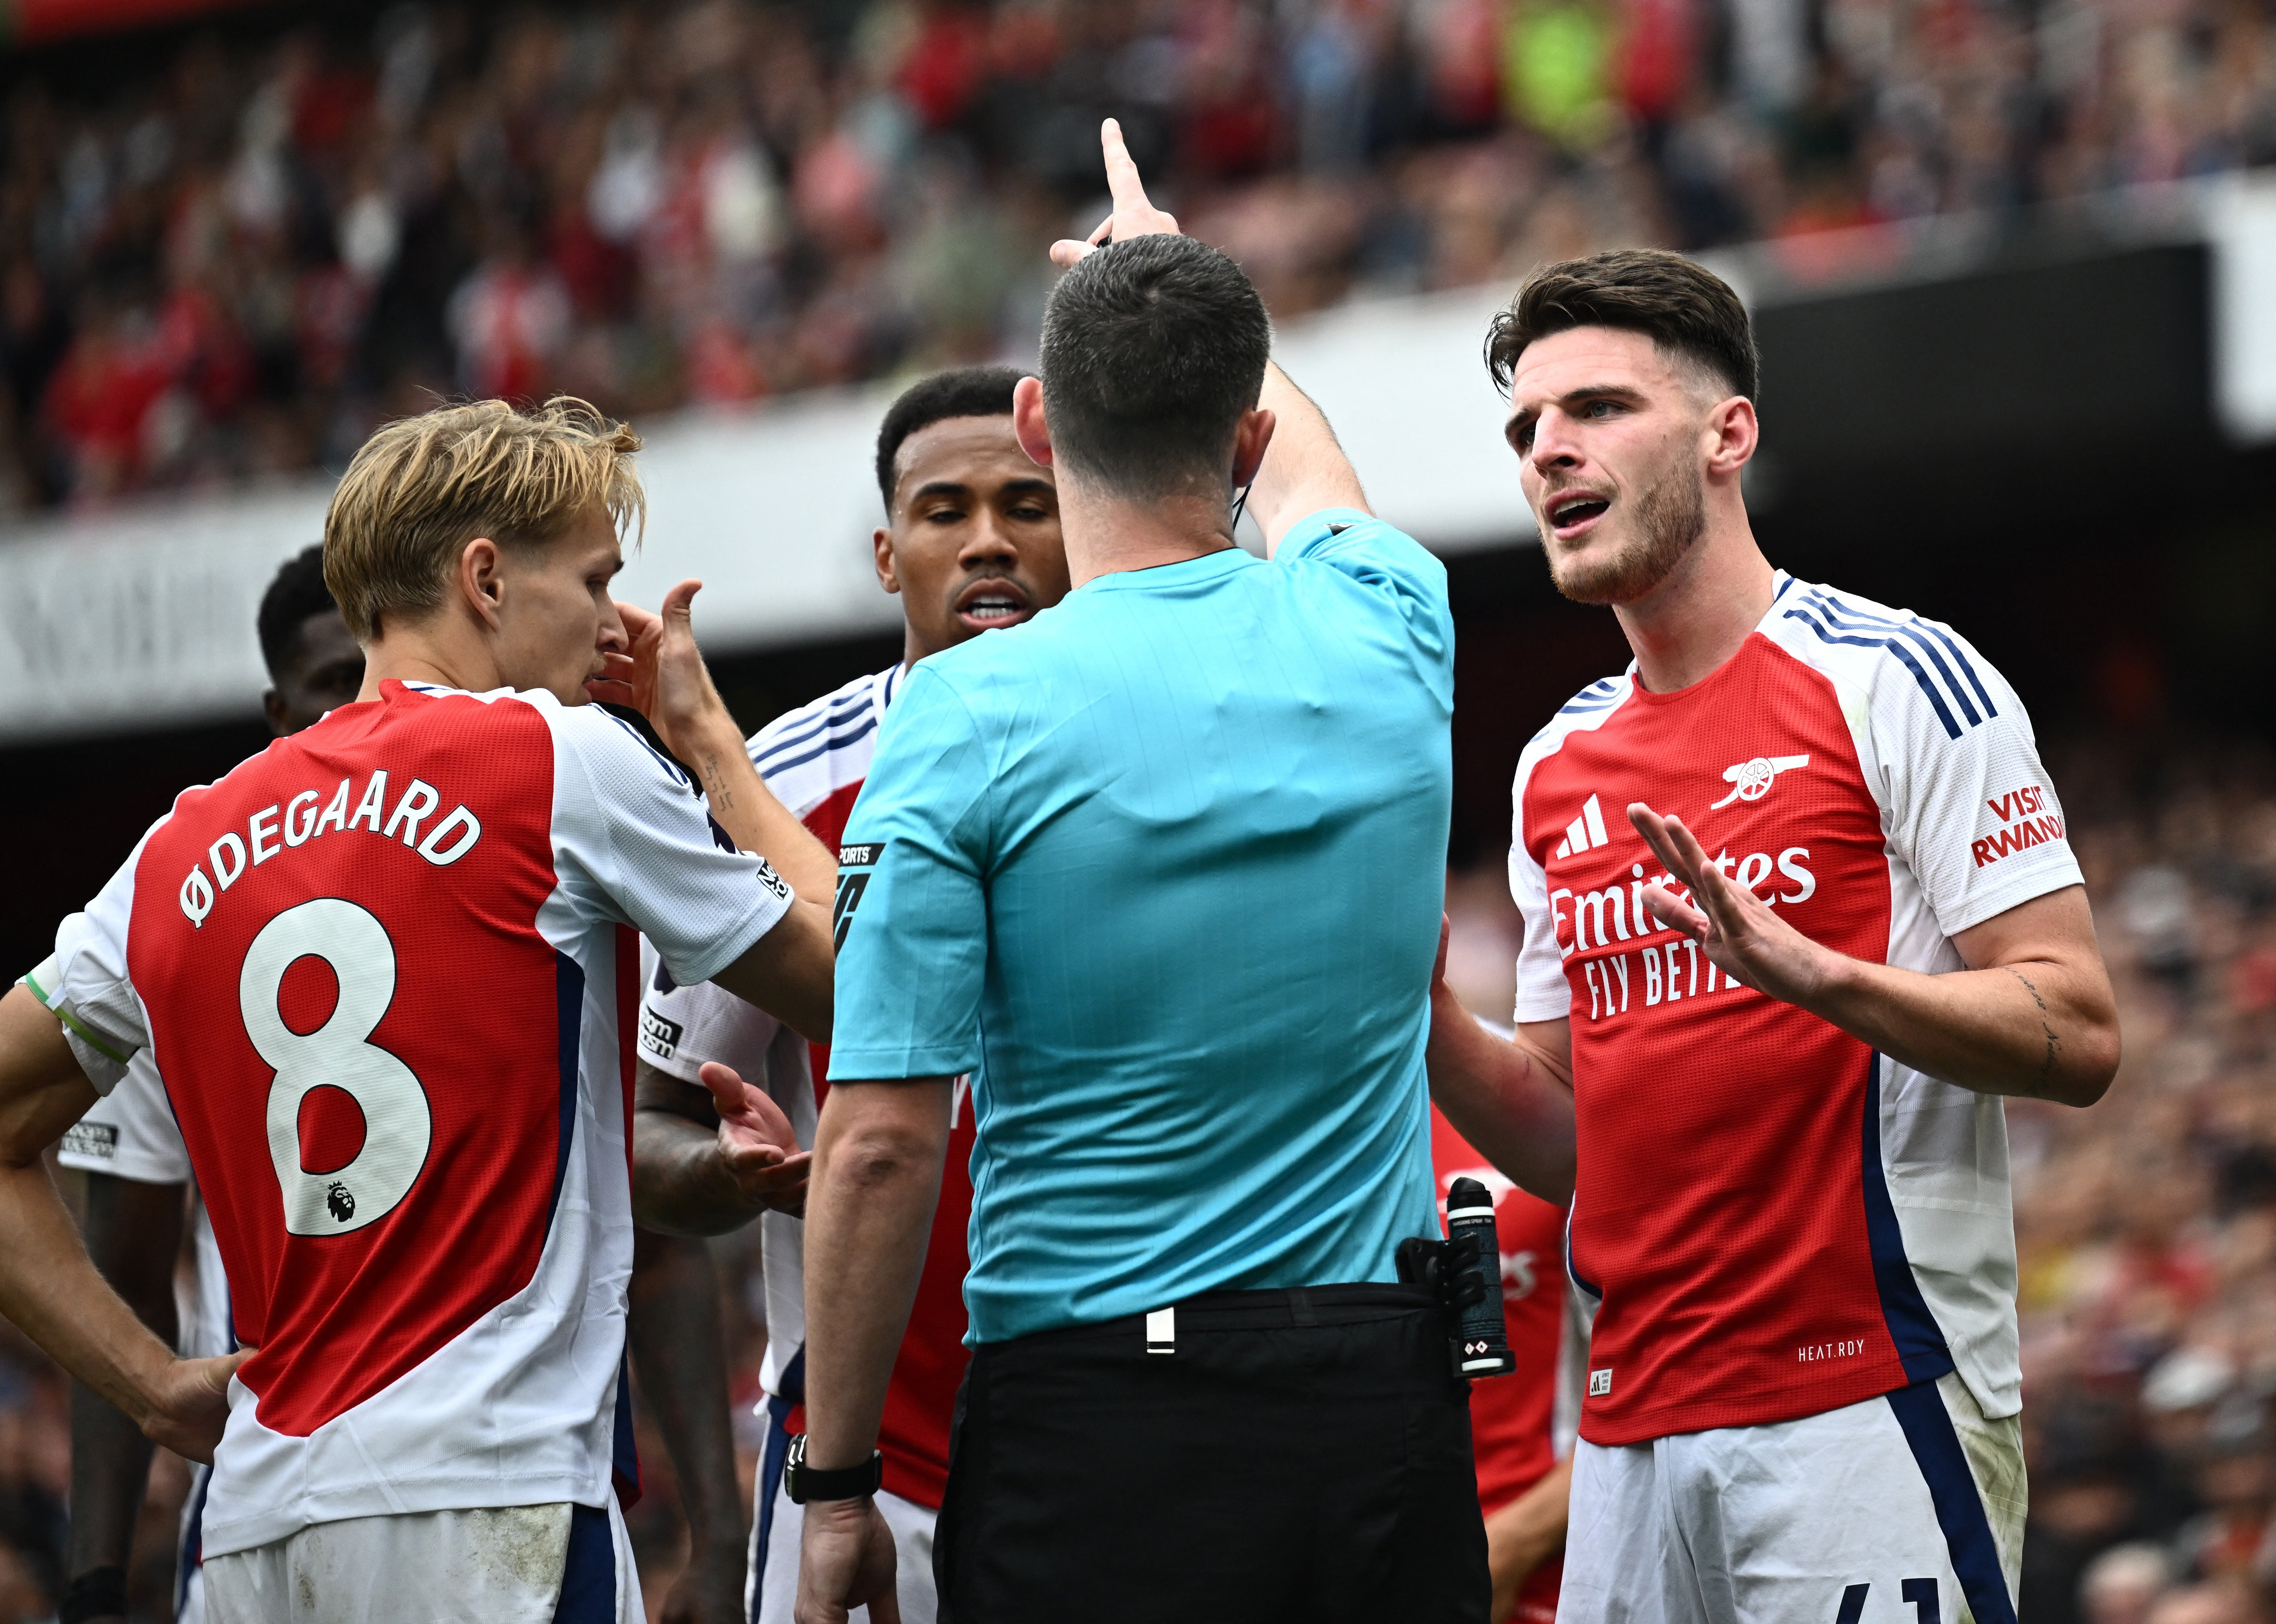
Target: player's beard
x=1669, y=515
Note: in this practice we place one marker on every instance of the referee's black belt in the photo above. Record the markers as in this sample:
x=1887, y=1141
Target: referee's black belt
x=1278, y=1309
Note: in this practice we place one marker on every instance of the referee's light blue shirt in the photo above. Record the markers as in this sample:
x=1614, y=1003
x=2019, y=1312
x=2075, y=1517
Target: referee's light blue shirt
x=1162, y=870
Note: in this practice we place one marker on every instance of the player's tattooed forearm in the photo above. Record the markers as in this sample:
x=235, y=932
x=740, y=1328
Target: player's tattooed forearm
x=715, y=784
x=2054, y=1043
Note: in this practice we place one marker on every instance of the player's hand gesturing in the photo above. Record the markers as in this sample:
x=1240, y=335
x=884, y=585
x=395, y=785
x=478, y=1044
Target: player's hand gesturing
x=757, y=1145
x=1738, y=932
x=661, y=674
x=1133, y=216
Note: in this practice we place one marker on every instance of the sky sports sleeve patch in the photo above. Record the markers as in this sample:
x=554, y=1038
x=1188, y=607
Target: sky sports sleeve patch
x=855, y=866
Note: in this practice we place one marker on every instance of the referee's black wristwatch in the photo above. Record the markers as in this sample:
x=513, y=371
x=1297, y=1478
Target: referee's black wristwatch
x=803, y=1482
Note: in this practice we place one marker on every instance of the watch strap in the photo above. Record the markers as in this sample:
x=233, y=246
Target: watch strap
x=803, y=1482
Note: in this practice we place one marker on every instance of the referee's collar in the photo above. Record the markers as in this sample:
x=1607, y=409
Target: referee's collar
x=1222, y=561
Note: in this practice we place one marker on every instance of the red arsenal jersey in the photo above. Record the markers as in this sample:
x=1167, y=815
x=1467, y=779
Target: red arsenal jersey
x=1778, y=1220
x=815, y=759
x=386, y=970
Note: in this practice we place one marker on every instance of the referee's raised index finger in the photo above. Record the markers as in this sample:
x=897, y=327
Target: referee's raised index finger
x=1122, y=182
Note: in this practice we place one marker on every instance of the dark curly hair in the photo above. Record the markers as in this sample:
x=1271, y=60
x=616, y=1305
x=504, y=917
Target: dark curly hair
x=960, y=391
x=1685, y=310
x=298, y=592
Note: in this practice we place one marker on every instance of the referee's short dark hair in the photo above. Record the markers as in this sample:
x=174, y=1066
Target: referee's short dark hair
x=1152, y=349
x=1687, y=310
x=960, y=391
x=298, y=592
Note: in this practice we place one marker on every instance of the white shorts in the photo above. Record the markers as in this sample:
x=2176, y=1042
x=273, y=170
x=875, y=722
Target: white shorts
x=1905, y=1509
x=776, y=1529
x=512, y=1565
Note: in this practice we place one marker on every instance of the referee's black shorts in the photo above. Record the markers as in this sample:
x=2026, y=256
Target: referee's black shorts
x=1294, y=1455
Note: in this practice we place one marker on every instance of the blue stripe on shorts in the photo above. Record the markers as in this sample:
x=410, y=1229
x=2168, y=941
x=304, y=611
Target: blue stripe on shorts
x=588, y=1572
x=1959, y=1504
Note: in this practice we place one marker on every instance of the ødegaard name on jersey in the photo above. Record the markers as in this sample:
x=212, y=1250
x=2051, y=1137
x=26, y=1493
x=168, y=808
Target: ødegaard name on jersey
x=287, y=825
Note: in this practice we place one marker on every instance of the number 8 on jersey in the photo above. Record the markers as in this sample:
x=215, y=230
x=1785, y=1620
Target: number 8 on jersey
x=397, y=1124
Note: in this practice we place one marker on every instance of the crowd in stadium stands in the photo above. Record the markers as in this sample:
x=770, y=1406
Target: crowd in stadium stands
x=235, y=264
x=2146, y=1229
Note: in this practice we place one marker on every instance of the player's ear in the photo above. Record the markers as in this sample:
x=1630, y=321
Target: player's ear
x=1732, y=434
x=1251, y=437
x=272, y=706
x=1027, y=423
x=881, y=541
x=481, y=579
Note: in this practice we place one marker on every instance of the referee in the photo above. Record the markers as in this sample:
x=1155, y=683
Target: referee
x=1162, y=870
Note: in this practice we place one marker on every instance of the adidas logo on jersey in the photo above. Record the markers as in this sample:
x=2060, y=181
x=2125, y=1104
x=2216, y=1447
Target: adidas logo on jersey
x=1585, y=832
x=1751, y=780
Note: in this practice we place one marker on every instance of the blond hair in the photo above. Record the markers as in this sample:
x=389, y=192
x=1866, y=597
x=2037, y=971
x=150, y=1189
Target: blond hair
x=423, y=487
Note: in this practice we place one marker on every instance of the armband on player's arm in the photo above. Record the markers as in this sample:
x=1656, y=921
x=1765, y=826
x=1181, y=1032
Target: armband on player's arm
x=100, y=1054
x=43, y=1088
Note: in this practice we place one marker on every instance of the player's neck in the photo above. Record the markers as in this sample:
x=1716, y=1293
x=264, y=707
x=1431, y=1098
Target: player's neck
x=1108, y=536
x=1683, y=630
x=429, y=653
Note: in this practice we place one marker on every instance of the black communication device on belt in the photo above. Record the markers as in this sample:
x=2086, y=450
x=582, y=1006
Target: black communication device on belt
x=1463, y=1269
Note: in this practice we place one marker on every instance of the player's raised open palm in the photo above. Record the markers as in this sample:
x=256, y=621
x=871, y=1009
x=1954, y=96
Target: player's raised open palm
x=756, y=1142
x=1742, y=933
x=1133, y=215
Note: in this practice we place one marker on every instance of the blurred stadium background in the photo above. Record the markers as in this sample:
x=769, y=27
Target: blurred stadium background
x=2015, y=271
